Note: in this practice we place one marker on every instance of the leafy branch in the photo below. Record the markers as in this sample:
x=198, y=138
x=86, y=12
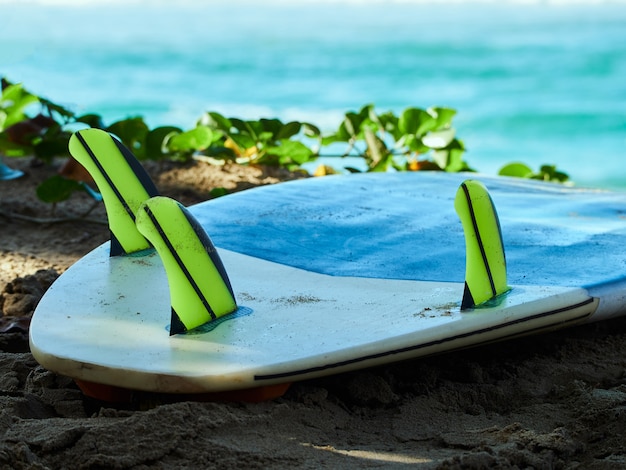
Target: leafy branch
x=418, y=139
x=415, y=140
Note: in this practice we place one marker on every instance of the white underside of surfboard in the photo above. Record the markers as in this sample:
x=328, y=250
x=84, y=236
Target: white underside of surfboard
x=106, y=321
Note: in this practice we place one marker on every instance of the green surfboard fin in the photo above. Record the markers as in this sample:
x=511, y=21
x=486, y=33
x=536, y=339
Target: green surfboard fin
x=122, y=181
x=200, y=290
x=485, y=263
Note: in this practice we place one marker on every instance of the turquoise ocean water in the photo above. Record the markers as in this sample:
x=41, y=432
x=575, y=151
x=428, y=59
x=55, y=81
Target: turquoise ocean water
x=536, y=81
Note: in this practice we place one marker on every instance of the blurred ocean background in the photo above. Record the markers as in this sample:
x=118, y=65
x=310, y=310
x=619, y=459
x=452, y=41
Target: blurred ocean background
x=533, y=81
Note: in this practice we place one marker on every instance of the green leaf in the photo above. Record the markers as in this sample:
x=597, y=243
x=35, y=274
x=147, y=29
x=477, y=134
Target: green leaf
x=353, y=122
x=450, y=158
x=288, y=130
x=218, y=192
x=372, y=115
x=455, y=161
x=245, y=128
x=11, y=149
x=342, y=134
x=376, y=152
x=439, y=139
x=199, y=138
x=217, y=121
x=47, y=149
x=290, y=151
x=311, y=130
x=389, y=122
x=269, y=126
x=132, y=132
x=413, y=143
x=416, y=121
x=517, y=169
x=550, y=173
x=546, y=172
x=366, y=111
x=243, y=141
x=441, y=158
x=14, y=101
x=351, y=169
x=92, y=120
x=443, y=117
x=220, y=152
x=156, y=141
x=330, y=139
x=381, y=166
x=265, y=137
x=57, y=189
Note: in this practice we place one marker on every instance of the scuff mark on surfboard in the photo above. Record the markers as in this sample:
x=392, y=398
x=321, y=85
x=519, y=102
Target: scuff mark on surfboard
x=297, y=299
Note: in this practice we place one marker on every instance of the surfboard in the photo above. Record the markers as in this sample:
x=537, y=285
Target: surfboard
x=287, y=282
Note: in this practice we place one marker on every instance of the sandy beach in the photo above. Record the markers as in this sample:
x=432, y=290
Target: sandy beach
x=553, y=401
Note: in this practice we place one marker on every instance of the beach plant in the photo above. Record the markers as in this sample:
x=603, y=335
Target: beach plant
x=414, y=140
x=31, y=125
x=13, y=103
x=545, y=173
x=262, y=142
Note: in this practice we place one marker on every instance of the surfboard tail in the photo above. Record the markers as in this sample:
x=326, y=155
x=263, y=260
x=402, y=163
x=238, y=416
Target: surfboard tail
x=122, y=181
x=200, y=290
x=485, y=264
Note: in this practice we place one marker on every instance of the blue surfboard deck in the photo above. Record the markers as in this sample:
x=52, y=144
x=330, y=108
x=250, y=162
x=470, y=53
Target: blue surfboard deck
x=403, y=226
x=337, y=273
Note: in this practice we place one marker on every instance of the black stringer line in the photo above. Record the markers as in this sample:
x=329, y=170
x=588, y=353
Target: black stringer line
x=179, y=261
x=106, y=176
x=479, y=239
